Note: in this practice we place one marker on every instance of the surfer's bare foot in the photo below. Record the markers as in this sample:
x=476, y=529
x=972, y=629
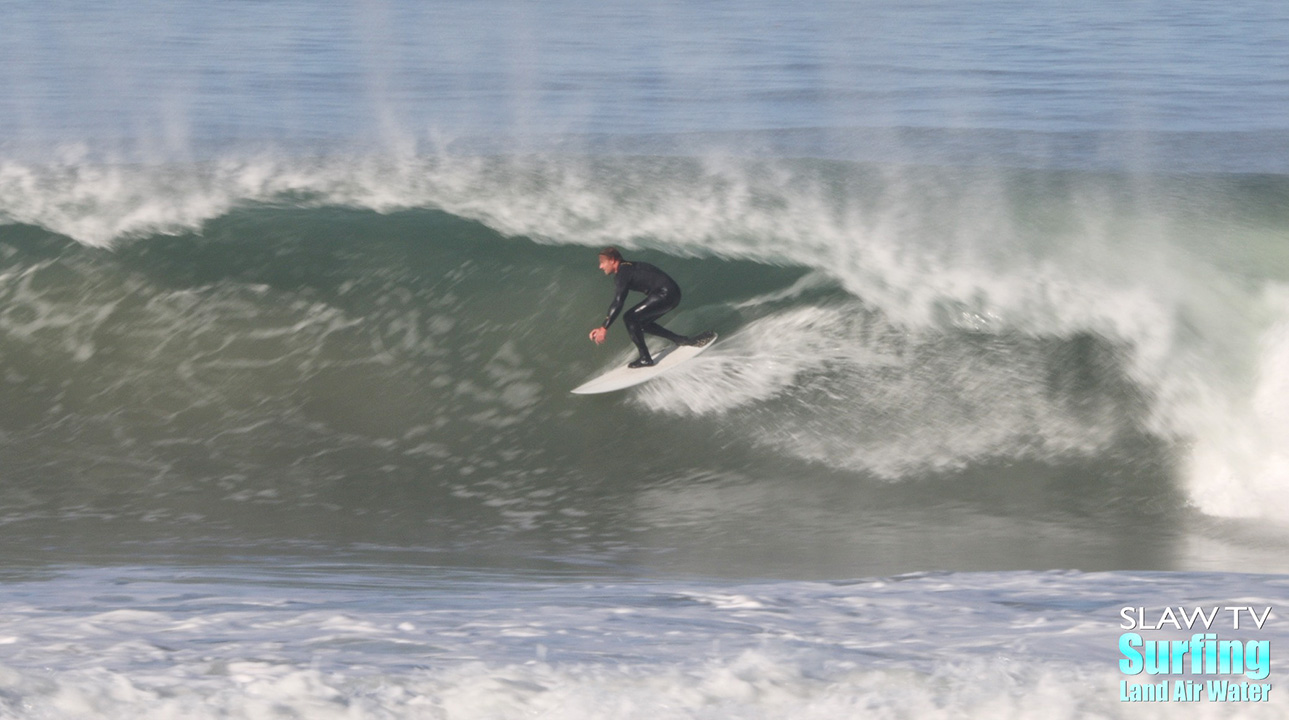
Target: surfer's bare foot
x=640, y=362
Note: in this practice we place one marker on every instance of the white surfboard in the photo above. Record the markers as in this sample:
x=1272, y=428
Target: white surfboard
x=624, y=377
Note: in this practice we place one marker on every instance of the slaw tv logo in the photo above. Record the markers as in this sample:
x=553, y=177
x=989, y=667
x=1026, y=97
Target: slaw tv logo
x=1202, y=665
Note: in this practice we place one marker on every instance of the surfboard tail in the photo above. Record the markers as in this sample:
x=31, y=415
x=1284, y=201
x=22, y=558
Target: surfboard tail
x=702, y=339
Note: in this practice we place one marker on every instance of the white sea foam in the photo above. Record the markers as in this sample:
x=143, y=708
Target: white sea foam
x=1239, y=462
x=835, y=386
x=753, y=685
x=321, y=643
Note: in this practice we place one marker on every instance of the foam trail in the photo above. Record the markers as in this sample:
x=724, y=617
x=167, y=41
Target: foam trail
x=841, y=386
x=757, y=363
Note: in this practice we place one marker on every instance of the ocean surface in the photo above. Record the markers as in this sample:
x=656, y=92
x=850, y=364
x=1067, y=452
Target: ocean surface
x=292, y=295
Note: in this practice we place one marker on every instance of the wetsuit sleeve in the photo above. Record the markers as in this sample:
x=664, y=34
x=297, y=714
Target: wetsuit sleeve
x=619, y=298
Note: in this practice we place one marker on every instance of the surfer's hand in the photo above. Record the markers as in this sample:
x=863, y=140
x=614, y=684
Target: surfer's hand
x=599, y=334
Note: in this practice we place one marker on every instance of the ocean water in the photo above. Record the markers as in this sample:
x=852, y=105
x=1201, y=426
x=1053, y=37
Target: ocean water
x=292, y=295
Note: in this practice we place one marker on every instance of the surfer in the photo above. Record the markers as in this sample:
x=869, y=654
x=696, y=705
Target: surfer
x=662, y=295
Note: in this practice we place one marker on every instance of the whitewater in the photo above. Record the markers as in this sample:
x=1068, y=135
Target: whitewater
x=291, y=299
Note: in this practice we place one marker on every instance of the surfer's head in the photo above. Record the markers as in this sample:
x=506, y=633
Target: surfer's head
x=609, y=260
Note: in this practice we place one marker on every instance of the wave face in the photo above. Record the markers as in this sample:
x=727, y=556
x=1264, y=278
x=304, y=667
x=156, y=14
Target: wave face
x=386, y=346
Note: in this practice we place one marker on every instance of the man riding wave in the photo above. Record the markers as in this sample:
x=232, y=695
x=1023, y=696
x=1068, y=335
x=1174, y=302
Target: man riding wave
x=662, y=295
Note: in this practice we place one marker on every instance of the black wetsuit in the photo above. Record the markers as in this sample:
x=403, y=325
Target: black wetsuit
x=662, y=295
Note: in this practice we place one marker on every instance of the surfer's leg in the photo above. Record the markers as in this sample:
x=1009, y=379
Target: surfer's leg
x=642, y=319
x=654, y=307
x=635, y=330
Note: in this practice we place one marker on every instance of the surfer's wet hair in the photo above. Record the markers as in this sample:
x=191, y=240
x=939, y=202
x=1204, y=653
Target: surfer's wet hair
x=611, y=253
